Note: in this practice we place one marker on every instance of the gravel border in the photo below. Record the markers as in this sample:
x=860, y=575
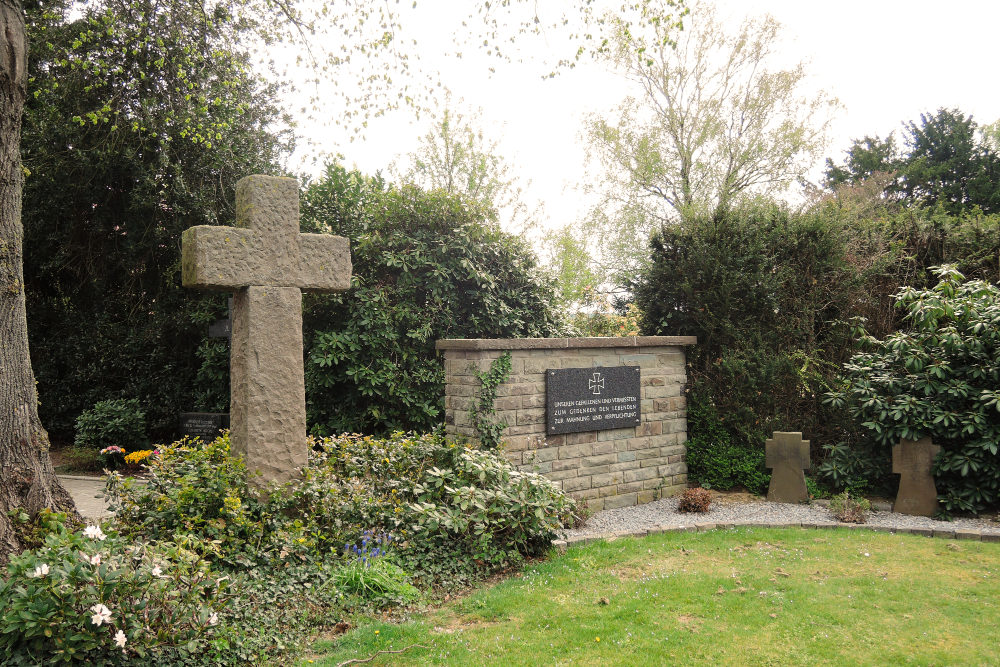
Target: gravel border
x=662, y=516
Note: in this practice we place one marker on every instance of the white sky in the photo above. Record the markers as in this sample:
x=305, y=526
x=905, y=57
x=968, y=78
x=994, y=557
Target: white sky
x=886, y=60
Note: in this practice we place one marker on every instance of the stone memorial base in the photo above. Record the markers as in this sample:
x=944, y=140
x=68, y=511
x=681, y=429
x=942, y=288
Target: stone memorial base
x=604, y=468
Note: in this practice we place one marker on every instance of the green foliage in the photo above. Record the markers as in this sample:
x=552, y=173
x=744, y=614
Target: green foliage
x=766, y=292
x=87, y=597
x=694, y=500
x=426, y=266
x=115, y=422
x=948, y=162
x=140, y=118
x=848, y=509
x=454, y=513
x=458, y=512
x=489, y=430
x=371, y=577
x=198, y=487
x=858, y=466
x=713, y=459
x=938, y=379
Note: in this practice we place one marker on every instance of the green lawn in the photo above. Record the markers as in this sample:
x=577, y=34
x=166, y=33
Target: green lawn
x=730, y=597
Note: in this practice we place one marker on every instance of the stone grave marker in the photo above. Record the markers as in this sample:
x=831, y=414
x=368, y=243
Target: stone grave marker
x=267, y=262
x=912, y=460
x=787, y=454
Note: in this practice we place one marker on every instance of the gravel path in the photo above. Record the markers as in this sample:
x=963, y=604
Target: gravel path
x=664, y=514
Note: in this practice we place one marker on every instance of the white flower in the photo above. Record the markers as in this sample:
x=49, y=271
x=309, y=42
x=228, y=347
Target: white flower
x=213, y=619
x=157, y=571
x=120, y=639
x=101, y=614
x=41, y=570
x=94, y=532
x=95, y=559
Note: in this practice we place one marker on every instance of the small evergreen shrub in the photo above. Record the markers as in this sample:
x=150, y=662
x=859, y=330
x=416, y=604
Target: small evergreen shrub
x=848, y=509
x=116, y=422
x=695, y=500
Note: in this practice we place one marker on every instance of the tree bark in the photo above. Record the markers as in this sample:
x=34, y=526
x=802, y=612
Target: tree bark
x=27, y=479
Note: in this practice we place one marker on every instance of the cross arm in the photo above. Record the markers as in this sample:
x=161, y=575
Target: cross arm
x=217, y=257
x=325, y=264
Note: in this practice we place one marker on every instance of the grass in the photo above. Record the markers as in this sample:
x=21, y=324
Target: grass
x=728, y=597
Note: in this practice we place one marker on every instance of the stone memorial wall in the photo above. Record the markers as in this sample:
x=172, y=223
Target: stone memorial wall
x=605, y=418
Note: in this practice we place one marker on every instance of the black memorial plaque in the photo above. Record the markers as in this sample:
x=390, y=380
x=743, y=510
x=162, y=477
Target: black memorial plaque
x=203, y=424
x=591, y=399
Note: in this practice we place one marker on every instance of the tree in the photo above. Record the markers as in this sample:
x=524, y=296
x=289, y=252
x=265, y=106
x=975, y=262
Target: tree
x=865, y=158
x=948, y=161
x=455, y=156
x=27, y=478
x=105, y=203
x=714, y=121
x=948, y=164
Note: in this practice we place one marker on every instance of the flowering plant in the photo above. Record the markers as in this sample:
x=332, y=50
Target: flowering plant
x=90, y=597
x=112, y=457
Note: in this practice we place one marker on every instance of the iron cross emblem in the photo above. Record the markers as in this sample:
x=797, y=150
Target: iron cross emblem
x=596, y=384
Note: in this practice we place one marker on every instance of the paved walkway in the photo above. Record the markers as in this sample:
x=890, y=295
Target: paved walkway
x=88, y=494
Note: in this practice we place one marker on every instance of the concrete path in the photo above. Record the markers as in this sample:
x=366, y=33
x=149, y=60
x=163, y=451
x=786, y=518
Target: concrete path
x=88, y=494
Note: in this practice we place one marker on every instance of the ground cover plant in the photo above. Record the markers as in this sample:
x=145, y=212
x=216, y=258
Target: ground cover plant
x=729, y=597
x=199, y=568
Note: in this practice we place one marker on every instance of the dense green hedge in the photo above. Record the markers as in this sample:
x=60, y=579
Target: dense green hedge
x=777, y=300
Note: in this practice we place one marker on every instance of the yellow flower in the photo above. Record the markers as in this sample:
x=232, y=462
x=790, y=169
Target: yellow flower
x=138, y=456
x=597, y=639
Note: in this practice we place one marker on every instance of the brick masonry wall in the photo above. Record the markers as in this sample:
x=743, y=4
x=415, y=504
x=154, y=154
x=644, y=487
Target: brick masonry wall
x=605, y=469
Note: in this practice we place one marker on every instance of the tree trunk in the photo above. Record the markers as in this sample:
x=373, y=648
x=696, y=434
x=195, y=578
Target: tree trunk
x=27, y=479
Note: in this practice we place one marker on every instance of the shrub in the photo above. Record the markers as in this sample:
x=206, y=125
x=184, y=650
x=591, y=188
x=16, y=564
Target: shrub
x=94, y=598
x=427, y=265
x=938, y=379
x=198, y=487
x=455, y=512
x=848, y=509
x=458, y=512
x=713, y=459
x=694, y=500
x=116, y=422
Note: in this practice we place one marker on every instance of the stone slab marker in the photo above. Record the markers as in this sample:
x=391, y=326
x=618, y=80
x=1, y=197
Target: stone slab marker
x=267, y=263
x=913, y=459
x=787, y=454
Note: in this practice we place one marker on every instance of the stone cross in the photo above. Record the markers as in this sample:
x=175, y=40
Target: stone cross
x=267, y=263
x=787, y=454
x=913, y=459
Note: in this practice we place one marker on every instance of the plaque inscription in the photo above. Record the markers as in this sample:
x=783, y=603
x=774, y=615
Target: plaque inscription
x=591, y=399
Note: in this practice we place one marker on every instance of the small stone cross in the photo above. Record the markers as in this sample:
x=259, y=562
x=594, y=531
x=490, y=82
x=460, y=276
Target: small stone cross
x=913, y=460
x=268, y=263
x=787, y=454
x=596, y=383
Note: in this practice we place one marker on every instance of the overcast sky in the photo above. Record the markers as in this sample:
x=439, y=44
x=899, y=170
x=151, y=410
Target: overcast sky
x=886, y=60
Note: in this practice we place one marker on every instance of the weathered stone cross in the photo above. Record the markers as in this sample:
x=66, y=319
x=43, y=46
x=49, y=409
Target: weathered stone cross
x=267, y=262
x=913, y=460
x=787, y=454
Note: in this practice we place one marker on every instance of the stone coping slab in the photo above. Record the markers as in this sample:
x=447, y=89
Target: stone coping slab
x=560, y=343
x=960, y=534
